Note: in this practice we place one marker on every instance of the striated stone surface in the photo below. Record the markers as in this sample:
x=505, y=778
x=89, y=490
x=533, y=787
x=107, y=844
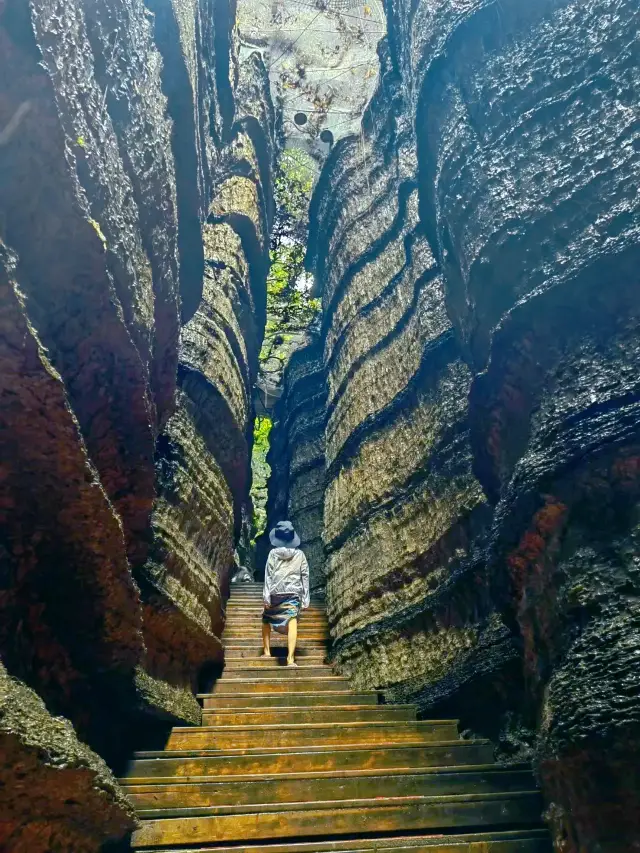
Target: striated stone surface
x=193, y=534
x=536, y=218
x=403, y=511
x=477, y=249
x=297, y=460
x=56, y=794
x=203, y=455
x=63, y=548
x=89, y=284
x=128, y=70
x=136, y=206
x=198, y=78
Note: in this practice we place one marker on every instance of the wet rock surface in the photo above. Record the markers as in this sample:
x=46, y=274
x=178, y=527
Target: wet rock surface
x=477, y=250
x=135, y=160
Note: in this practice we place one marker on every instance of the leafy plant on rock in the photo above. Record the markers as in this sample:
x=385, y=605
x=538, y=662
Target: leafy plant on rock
x=291, y=310
x=260, y=471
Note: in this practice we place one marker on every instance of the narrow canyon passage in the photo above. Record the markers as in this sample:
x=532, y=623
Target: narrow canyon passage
x=308, y=762
x=373, y=269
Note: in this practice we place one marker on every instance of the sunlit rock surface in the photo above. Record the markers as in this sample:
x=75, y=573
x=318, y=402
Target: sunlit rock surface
x=477, y=251
x=135, y=162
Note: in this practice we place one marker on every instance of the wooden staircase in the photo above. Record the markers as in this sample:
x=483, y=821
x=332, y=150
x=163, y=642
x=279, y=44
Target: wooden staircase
x=293, y=760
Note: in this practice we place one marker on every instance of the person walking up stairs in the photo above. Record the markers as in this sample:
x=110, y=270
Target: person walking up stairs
x=292, y=760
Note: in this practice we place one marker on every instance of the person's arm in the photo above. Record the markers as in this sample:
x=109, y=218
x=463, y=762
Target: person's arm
x=266, y=592
x=304, y=574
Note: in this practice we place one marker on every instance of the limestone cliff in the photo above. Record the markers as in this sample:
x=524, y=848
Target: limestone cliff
x=203, y=455
x=477, y=248
x=135, y=165
x=296, y=457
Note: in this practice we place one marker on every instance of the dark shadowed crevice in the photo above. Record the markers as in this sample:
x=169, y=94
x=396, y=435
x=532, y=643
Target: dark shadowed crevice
x=177, y=87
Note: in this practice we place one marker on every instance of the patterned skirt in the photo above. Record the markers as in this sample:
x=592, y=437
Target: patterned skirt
x=282, y=609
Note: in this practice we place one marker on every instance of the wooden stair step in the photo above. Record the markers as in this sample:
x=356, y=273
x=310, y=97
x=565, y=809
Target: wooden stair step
x=251, y=624
x=235, y=655
x=274, y=662
x=282, y=789
x=255, y=611
x=289, y=755
x=523, y=841
x=496, y=841
x=303, y=634
x=284, y=735
x=300, y=820
x=255, y=618
x=280, y=685
x=256, y=621
x=329, y=714
x=251, y=600
x=285, y=698
x=278, y=641
x=314, y=759
x=255, y=592
x=255, y=601
x=314, y=600
x=278, y=671
x=256, y=608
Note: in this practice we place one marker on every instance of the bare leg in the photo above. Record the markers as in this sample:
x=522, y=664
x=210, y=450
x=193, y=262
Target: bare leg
x=292, y=637
x=266, y=640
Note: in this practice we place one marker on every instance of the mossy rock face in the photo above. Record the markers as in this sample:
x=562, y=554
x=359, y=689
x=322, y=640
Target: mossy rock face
x=58, y=795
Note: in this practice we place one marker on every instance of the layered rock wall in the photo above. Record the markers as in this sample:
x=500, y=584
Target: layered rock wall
x=477, y=249
x=203, y=454
x=297, y=460
x=135, y=164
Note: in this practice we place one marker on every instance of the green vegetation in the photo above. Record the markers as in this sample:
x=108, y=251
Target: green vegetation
x=291, y=310
x=292, y=187
x=260, y=470
x=96, y=227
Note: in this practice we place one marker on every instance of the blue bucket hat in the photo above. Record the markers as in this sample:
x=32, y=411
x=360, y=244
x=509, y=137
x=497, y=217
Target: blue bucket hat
x=284, y=536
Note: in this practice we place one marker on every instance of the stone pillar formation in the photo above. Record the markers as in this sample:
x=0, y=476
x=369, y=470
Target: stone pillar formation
x=135, y=209
x=477, y=249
